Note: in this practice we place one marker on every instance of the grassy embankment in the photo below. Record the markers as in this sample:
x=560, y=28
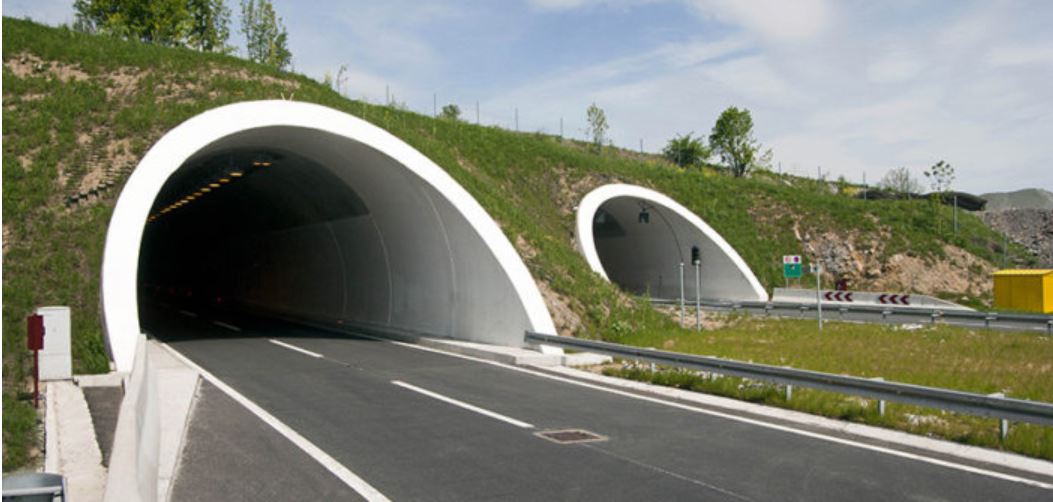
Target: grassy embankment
x=70, y=99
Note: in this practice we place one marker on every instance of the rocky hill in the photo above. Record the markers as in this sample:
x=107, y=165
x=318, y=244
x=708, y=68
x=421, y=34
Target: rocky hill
x=1028, y=198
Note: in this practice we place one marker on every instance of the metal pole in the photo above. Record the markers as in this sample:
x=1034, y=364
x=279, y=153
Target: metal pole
x=641, y=145
x=865, y=186
x=681, y=294
x=818, y=292
x=698, y=297
x=36, y=379
x=561, y=129
x=1005, y=249
x=434, y=104
x=955, y=214
x=387, y=94
x=517, y=119
x=477, y=112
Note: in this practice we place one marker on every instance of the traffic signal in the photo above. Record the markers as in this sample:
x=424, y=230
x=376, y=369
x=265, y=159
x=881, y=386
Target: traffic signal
x=696, y=256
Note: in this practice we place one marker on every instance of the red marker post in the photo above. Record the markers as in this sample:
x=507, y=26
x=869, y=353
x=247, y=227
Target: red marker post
x=35, y=342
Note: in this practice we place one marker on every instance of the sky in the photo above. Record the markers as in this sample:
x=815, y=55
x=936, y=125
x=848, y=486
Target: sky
x=850, y=88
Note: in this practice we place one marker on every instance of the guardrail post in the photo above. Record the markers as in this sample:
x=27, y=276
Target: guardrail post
x=1049, y=327
x=1003, y=424
x=988, y=319
x=935, y=315
x=881, y=402
x=789, y=392
x=767, y=312
x=842, y=310
x=885, y=313
x=804, y=308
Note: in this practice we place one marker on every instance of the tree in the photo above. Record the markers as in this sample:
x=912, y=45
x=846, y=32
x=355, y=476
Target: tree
x=597, y=129
x=265, y=37
x=165, y=22
x=940, y=176
x=900, y=181
x=451, y=112
x=209, y=26
x=732, y=139
x=686, y=150
x=199, y=24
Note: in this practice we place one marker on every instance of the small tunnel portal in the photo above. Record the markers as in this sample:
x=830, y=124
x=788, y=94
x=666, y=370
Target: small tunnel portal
x=638, y=239
x=299, y=211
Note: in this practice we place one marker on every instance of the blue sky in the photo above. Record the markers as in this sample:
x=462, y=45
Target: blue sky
x=852, y=86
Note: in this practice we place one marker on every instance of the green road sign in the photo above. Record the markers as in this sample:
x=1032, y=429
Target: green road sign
x=791, y=266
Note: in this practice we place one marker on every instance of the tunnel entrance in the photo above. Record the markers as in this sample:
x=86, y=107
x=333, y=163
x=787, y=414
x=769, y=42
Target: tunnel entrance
x=637, y=238
x=300, y=211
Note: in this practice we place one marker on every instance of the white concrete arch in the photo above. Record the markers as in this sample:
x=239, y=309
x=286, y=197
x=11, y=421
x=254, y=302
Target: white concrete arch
x=423, y=255
x=642, y=253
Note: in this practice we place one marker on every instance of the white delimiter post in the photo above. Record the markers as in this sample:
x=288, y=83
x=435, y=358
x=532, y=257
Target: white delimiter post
x=698, y=297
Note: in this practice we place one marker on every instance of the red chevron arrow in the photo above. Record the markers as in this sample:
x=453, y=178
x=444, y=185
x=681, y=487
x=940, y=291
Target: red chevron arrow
x=848, y=296
x=827, y=295
x=883, y=299
x=904, y=300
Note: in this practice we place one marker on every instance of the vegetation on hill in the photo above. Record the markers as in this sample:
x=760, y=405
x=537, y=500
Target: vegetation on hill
x=80, y=110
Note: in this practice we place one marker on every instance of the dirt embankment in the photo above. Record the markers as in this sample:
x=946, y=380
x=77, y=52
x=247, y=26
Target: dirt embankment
x=1031, y=228
x=861, y=262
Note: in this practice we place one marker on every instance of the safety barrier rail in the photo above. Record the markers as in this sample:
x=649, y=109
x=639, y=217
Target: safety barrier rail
x=933, y=313
x=994, y=406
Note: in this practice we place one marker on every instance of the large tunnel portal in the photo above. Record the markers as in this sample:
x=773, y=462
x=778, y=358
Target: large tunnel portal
x=638, y=238
x=299, y=211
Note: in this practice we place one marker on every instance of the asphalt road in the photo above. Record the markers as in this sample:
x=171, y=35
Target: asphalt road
x=357, y=402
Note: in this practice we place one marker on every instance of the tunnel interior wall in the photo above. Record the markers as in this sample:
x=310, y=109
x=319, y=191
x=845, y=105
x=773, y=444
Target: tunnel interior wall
x=642, y=253
x=406, y=259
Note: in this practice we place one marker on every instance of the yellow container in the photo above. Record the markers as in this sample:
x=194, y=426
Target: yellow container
x=1027, y=290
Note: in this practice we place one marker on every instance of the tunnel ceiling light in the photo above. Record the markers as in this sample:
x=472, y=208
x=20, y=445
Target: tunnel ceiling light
x=224, y=180
x=206, y=189
x=214, y=185
x=197, y=193
x=235, y=174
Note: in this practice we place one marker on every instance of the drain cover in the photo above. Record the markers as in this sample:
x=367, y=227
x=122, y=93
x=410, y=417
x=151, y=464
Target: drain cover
x=569, y=436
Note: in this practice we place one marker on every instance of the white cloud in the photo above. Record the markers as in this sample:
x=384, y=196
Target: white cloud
x=777, y=20
x=1013, y=55
x=895, y=67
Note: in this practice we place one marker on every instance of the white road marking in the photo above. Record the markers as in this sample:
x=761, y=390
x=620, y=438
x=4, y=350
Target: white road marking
x=225, y=325
x=759, y=423
x=462, y=404
x=349, y=478
x=293, y=347
x=188, y=313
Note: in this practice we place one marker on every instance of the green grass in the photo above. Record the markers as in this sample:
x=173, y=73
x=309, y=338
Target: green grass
x=1020, y=365
x=134, y=93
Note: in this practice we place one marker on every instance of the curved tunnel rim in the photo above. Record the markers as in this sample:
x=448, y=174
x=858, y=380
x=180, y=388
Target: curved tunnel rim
x=595, y=199
x=119, y=271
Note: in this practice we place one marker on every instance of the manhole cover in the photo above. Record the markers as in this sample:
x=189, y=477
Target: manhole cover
x=568, y=436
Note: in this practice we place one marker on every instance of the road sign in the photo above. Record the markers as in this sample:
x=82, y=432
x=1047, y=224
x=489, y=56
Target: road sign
x=791, y=266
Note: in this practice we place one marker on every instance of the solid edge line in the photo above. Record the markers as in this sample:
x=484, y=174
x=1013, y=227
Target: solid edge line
x=188, y=313
x=228, y=326
x=349, y=478
x=462, y=404
x=293, y=347
x=759, y=423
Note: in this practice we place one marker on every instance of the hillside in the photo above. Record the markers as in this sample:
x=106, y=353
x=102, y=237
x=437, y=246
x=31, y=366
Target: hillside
x=1028, y=198
x=80, y=110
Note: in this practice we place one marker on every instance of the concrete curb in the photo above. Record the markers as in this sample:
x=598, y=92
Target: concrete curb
x=151, y=426
x=71, y=446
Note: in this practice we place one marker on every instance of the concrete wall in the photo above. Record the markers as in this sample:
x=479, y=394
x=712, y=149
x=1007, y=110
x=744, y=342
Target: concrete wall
x=426, y=257
x=645, y=257
x=863, y=299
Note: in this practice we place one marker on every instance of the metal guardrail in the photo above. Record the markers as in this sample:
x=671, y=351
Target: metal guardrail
x=932, y=312
x=1035, y=412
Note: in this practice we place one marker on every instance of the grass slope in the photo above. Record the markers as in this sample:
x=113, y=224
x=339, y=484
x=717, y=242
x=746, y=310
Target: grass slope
x=74, y=104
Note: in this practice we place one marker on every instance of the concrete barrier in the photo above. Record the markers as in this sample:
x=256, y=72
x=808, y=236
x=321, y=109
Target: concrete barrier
x=151, y=425
x=863, y=299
